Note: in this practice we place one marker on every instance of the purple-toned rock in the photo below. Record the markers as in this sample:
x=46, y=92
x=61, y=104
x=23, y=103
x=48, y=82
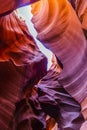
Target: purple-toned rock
x=57, y=103
x=60, y=30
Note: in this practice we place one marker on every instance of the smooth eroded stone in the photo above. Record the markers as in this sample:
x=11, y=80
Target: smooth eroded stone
x=22, y=65
x=60, y=30
x=57, y=103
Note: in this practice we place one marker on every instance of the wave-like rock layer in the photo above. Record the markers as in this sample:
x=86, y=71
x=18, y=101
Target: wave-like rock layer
x=22, y=65
x=57, y=103
x=60, y=30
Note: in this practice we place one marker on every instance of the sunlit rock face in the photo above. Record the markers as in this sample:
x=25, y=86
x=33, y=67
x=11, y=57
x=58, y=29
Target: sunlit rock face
x=60, y=30
x=22, y=65
x=81, y=8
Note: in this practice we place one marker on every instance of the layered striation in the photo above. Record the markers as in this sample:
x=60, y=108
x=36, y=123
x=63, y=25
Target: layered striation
x=60, y=30
x=57, y=103
x=81, y=8
x=22, y=65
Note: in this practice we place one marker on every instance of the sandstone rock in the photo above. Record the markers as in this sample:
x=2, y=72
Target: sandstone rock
x=60, y=30
x=22, y=65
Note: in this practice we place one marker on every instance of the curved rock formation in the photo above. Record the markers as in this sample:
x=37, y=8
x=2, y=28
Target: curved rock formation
x=60, y=30
x=81, y=9
x=57, y=103
x=9, y=5
x=29, y=114
x=22, y=65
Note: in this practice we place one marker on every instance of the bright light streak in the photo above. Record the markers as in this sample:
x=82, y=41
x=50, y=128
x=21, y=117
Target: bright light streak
x=25, y=12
